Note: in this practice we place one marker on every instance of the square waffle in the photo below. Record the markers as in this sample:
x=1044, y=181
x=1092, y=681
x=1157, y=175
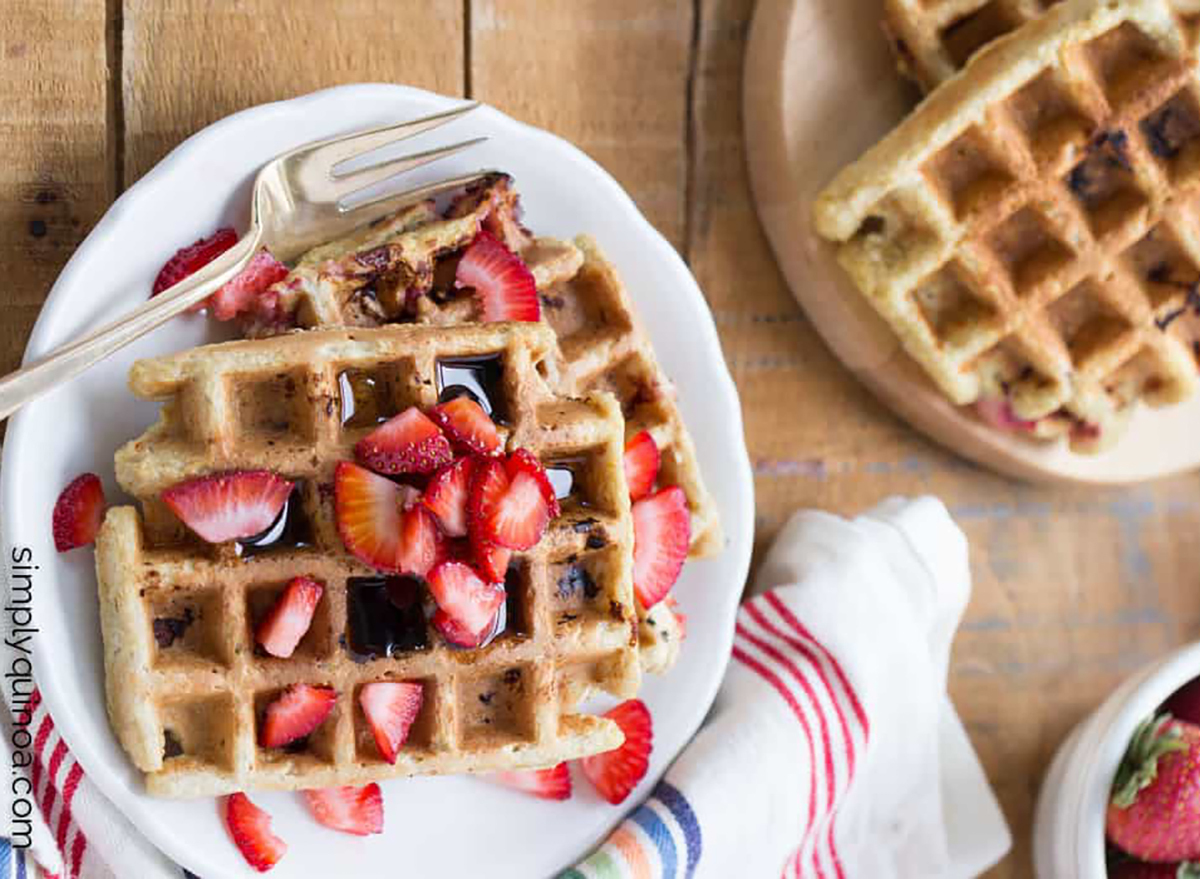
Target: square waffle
x=186, y=686
x=1030, y=230
x=403, y=270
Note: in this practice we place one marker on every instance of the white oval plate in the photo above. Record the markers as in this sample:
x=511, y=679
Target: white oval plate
x=434, y=826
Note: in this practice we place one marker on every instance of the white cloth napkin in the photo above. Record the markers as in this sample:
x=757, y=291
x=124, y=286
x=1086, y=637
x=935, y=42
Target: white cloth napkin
x=832, y=750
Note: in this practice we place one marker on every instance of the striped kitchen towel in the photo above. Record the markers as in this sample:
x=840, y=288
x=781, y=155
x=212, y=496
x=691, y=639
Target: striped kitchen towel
x=832, y=751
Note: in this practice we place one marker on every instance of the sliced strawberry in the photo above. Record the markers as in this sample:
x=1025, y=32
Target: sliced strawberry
x=549, y=784
x=491, y=561
x=231, y=505
x=421, y=542
x=289, y=618
x=192, y=258
x=488, y=482
x=382, y=523
x=297, y=711
x=503, y=284
x=78, y=512
x=524, y=461
x=390, y=708
x=641, y=464
x=240, y=293
x=357, y=810
x=446, y=496
x=615, y=773
x=661, y=533
x=250, y=828
x=406, y=443
x=468, y=604
x=467, y=425
x=519, y=517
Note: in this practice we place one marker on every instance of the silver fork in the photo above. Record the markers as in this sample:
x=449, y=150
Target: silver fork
x=300, y=199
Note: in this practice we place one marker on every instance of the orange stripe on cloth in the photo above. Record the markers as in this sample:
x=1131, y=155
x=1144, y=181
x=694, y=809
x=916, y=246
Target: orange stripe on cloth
x=624, y=841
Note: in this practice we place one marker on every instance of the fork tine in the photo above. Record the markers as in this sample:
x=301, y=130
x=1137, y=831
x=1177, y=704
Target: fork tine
x=387, y=202
x=351, y=184
x=340, y=149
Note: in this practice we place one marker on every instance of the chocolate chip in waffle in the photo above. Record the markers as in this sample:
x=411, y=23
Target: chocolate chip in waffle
x=187, y=686
x=1030, y=230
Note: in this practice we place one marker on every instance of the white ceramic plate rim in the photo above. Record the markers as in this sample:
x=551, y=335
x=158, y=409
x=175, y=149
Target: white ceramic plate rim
x=718, y=393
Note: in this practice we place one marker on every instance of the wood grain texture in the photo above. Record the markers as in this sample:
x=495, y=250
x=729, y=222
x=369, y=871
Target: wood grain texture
x=190, y=62
x=611, y=76
x=54, y=177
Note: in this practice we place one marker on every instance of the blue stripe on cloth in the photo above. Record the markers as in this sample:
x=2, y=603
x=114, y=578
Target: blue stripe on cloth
x=678, y=804
x=6, y=859
x=21, y=864
x=647, y=819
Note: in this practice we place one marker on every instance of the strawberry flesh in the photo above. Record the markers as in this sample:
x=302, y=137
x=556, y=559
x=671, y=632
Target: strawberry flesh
x=661, y=535
x=642, y=460
x=78, y=512
x=491, y=561
x=468, y=605
x=240, y=294
x=390, y=708
x=357, y=810
x=524, y=461
x=617, y=772
x=519, y=517
x=503, y=284
x=407, y=443
x=421, y=542
x=229, y=506
x=467, y=425
x=298, y=710
x=381, y=523
x=250, y=828
x=446, y=496
x=289, y=618
x=549, y=784
x=192, y=258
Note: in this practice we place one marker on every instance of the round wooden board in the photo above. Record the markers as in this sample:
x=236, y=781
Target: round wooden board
x=820, y=87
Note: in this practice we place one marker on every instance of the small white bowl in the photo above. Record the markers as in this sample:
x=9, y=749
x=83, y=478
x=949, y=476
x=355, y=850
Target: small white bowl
x=1068, y=831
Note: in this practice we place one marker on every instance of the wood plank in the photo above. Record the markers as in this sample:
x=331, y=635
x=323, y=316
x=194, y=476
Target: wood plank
x=54, y=180
x=611, y=76
x=191, y=62
x=1073, y=588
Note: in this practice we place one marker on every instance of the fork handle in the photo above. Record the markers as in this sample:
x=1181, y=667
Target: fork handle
x=48, y=372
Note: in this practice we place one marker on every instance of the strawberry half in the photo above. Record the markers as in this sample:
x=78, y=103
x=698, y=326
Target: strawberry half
x=78, y=512
x=661, y=534
x=406, y=443
x=446, y=496
x=297, y=711
x=289, y=618
x=503, y=284
x=467, y=604
x=192, y=258
x=357, y=810
x=642, y=460
x=381, y=523
x=467, y=425
x=240, y=294
x=390, y=708
x=250, y=828
x=616, y=773
x=549, y=784
x=229, y=506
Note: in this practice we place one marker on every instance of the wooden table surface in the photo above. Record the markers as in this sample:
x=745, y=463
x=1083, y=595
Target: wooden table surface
x=1074, y=589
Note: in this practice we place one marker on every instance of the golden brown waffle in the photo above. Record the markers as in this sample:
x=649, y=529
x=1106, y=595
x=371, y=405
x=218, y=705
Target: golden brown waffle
x=374, y=277
x=1030, y=230
x=187, y=706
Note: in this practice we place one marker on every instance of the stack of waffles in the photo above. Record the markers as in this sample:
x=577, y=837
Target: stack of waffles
x=1030, y=232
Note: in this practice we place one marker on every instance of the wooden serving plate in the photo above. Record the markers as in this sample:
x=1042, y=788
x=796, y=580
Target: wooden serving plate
x=820, y=87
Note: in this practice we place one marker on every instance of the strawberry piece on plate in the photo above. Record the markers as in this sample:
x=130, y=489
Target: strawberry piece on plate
x=617, y=772
x=240, y=294
x=192, y=258
x=229, y=506
x=78, y=512
x=390, y=708
x=382, y=523
x=661, y=534
x=446, y=496
x=641, y=464
x=467, y=604
x=250, y=828
x=297, y=711
x=407, y=443
x=503, y=284
x=357, y=810
x=467, y=425
x=289, y=618
x=549, y=784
